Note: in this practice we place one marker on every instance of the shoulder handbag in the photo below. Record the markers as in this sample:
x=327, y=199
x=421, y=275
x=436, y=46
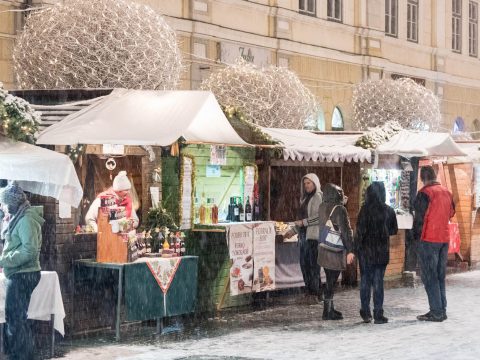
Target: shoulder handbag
x=330, y=238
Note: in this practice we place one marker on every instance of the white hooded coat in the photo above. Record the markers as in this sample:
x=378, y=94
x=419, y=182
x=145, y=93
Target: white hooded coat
x=312, y=222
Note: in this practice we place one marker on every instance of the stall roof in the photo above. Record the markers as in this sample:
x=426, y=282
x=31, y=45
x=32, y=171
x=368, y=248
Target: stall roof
x=145, y=117
x=472, y=149
x=40, y=171
x=305, y=145
x=418, y=144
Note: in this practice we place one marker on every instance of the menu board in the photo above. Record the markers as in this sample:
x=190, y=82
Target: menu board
x=264, y=256
x=186, y=193
x=240, y=245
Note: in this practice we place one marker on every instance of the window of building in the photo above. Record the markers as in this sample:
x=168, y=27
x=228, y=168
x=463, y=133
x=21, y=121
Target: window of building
x=458, y=125
x=307, y=6
x=334, y=10
x=457, y=25
x=473, y=28
x=391, y=17
x=412, y=20
x=337, y=120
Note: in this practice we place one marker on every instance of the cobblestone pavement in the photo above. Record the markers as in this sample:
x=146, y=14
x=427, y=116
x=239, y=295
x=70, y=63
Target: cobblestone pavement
x=287, y=329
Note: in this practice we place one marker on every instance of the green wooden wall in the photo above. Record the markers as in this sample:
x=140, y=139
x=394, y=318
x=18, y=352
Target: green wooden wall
x=210, y=247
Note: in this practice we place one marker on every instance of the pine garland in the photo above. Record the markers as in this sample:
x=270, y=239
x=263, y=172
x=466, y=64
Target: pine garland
x=18, y=120
x=379, y=135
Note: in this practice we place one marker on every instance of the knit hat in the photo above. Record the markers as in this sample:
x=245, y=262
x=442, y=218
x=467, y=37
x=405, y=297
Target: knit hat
x=12, y=195
x=121, y=182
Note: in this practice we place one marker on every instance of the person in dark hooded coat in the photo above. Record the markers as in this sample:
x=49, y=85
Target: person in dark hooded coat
x=334, y=262
x=375, y=224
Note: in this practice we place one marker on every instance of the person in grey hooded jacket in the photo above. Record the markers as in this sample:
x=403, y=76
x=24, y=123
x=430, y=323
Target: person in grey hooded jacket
x=307, y=228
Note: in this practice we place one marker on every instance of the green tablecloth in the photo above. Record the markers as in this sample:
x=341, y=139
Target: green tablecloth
x=144, y=299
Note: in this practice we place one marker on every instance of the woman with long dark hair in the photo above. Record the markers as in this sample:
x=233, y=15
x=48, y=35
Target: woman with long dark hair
x=334, y=262
x=375, y=224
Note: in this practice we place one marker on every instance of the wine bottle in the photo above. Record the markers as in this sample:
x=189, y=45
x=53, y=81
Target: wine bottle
x=248, y=210
x=236, y=212
x=241, y=211
x=256, y=210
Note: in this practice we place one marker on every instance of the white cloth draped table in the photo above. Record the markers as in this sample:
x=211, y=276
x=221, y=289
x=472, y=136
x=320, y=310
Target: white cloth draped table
x=46, y=300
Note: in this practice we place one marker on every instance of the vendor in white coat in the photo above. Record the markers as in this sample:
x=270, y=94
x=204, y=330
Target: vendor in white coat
x=121, y=191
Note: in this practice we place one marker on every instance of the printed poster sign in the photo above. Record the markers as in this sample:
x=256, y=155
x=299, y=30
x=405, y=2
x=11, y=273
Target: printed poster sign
x=218, y=155
x=186, y=193
x=240, y=245
x=264, y=256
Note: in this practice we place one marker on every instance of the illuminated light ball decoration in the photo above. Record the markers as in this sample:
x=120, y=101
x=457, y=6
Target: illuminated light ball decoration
x=97, y=44
x=413, y=106
x=270, y=97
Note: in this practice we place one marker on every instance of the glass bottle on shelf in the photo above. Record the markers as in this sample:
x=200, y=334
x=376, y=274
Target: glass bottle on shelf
x=182, y=246
x=248, y=210
x=208, y=212
x=214, y=212
x=236, y=211
x=202, y=210
x=241, y=210
x=256, y=209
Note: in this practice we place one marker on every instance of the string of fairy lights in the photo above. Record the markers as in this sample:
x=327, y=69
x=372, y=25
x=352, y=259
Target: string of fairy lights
x=119, y=43
x=413, y=106
x=97, y=44
x=270, y=97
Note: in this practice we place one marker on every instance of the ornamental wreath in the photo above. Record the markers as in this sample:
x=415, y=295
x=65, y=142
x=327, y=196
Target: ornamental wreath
x=18, y=120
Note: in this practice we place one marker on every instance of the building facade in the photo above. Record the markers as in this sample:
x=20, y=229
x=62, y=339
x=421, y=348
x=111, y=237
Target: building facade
x=330, y=44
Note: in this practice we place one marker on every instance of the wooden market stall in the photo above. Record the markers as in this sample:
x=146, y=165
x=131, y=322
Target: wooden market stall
x=420, y=148
x=134, y=129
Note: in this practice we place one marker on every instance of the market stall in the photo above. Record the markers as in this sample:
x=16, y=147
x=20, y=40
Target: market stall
x=164, y=122
x=334, y=158
x=430, y=148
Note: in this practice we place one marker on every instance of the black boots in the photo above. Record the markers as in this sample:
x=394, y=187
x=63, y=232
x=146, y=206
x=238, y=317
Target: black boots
x=366, y=316
x=432, y=317
x=329, y=312
x=378, y=317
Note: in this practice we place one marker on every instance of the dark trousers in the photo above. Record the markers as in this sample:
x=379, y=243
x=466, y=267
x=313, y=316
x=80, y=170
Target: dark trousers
x=371, y=276
x=19, y=342
x=433, y=265
x=309, y=266
x=332, y=277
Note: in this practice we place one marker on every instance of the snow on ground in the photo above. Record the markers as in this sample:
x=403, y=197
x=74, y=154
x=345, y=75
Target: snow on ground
x=297, y=332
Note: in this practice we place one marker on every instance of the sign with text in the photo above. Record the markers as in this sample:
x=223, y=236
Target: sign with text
x=186, y=193
x=264, y=256
x=230, y=53
x=240, y=245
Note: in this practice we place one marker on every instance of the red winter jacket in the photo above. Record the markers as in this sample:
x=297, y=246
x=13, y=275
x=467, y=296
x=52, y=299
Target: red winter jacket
x=434, y=207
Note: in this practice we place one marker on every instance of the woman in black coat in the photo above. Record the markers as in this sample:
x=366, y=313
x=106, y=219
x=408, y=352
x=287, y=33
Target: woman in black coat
x=334, y=262
x=375, y=224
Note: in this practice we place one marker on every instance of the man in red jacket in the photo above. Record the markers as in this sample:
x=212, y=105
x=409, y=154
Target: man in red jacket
x=434, y=207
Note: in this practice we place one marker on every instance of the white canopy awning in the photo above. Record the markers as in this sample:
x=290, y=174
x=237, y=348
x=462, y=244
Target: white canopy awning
x=419, y=144
x=145, y=117
x=40, y=171
x=472, y=150
x=305, y=145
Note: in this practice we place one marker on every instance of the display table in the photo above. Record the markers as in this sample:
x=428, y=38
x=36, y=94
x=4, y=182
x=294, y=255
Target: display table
x=150, y=288
x=46, y=303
